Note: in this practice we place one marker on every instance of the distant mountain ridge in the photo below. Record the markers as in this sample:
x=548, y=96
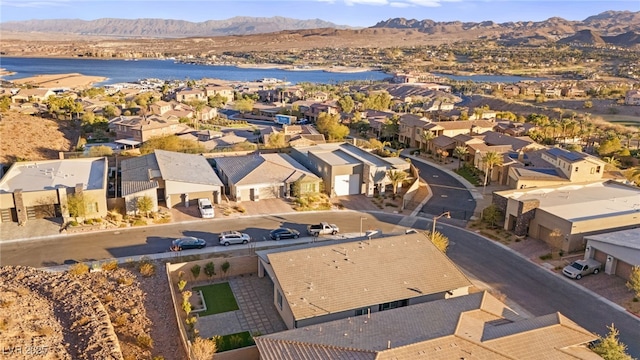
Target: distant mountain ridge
x=607, y=28
x=167, y=28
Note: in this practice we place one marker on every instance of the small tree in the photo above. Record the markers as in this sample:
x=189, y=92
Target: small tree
x=195, y=271
x=77, y=205
x=144, y=204
x=203, y=349
x=396, y=178
x=100, y=151
x=225, y=267
x=492, y=215
x=209, y=269
x=610, y=348
x=634, y=281
x=460, y=152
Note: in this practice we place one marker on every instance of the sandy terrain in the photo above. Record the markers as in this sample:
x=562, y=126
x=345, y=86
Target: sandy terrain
x=33, y=138
x=74, y=80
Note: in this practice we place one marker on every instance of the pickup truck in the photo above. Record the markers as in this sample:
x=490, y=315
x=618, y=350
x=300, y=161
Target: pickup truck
x=579, y=268
x=322, y=229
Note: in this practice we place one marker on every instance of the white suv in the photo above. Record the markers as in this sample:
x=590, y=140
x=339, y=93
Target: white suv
x=206, y=208
x=227, y=238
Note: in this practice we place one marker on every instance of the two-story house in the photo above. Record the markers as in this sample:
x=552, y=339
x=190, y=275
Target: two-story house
x=141, y=129
x=411, y=129
x=190, y=94
x=224, y=91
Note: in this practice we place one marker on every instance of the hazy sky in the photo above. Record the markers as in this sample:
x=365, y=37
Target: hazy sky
x=343, y=12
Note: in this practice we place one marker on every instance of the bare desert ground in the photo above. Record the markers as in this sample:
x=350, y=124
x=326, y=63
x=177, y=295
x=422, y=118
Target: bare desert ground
x=72, y=81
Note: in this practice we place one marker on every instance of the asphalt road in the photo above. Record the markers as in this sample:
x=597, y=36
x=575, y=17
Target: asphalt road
x=448, y=193
x=157, y=239
x=536, y=289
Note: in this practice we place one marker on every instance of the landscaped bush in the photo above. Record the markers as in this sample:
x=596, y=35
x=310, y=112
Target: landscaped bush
x=110, y=266
x=147, y=269
x=209, y=269
x=195, y=271
x=72, y=223
x=79, y=269
x=145, y=341
x=181, y=285
x=140, y=222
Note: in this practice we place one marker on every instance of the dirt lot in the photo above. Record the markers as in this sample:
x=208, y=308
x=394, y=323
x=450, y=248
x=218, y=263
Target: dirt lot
x=74, y=80
x=26, y=137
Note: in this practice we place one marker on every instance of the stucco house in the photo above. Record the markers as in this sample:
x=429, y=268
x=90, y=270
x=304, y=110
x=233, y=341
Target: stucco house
x=185, y=95
x=38, y=95
x=140, y=129
x=313, y=285
x=555, y=166
x=170, y=179
x=265, y=176
x=40, y=189
x=411, y=129
x=348, y=170
x=619, y=251
x=632, y=97
x=562, y=215
x=475, y=326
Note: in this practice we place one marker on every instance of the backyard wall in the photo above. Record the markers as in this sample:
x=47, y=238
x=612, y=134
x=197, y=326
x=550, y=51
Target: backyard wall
x=240, y=265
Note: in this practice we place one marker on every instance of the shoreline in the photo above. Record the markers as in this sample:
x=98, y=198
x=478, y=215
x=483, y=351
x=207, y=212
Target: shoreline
x=70, y=80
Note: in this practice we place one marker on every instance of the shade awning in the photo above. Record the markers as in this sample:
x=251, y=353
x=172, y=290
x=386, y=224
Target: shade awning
x=129, y=142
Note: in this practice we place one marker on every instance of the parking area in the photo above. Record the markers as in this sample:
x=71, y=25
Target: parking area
x=610, y=287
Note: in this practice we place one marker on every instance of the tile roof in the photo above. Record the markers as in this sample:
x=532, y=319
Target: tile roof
x=138, y=174
x=353, y=275
x=457, y=125
x=448, y=329
x=262, y=168
x=516, y=143
x=188, y=168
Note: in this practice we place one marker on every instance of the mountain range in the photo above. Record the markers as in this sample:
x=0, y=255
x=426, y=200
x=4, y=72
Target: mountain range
x=166, y=28
x=618, y=28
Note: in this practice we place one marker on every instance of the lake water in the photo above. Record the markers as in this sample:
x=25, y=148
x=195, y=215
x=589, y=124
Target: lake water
x=129, y=71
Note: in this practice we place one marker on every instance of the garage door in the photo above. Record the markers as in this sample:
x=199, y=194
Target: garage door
x=270, y=192
x=600, y=256
x=346, y=184
x=544, y=233
x=623, y=270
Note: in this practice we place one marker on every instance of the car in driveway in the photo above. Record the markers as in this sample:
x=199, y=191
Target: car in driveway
x=206, y=208
x=227, y=238
x=188, y=242
x=284, y=233
x=579, y=268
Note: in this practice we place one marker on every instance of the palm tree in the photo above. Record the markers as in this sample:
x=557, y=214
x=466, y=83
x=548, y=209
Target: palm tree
x=490, y=159
x=426, y=136
x=459, y=152
x=634, y=174
x=612, y=161
x=396, y=178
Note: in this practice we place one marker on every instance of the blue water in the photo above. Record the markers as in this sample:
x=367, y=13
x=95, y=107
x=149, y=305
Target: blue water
x=490, y=78
x=129, y=71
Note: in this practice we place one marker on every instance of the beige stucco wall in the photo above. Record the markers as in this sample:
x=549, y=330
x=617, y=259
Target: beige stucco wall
x=6, y=201
x=131, y=200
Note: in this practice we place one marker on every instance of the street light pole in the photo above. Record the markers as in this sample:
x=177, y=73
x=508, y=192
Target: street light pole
x=433, y=226
x=361, y=218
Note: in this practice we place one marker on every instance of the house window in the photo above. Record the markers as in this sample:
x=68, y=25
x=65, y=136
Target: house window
x=393, y=305
x=279, y=299
x=362, y=311
x=598, y=169
x=576, y=169
x=593, y=170
x=417, y=131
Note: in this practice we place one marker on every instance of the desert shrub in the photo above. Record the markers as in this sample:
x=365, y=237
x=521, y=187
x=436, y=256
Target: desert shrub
x=125, y=280
x=88, y=221
x=240, y=209
x=97, y=220
x=110, y=266
x=5, y=303
x=72, y=223
x=121, y=320
x=181, y=285
x=78, y=269
x=107, y=298
x=195, y=271
x=547, y=256
x=5, y=323
x=145, y=341
x=140, y=222
x=209, y=269
x=147, y=269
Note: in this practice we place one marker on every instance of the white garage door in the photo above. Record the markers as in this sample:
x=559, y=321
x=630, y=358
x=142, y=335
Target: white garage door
x=346, y=185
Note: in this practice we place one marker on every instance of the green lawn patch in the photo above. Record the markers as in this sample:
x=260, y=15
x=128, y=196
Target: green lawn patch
x=234, y=341
x=468, y=174
x=218, y=298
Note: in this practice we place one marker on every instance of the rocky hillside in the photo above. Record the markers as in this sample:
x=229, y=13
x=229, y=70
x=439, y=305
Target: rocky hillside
x=166, y=28
x=607, y=24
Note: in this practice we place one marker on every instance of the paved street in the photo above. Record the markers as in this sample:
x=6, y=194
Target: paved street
x=157, y=239
x=448, y=193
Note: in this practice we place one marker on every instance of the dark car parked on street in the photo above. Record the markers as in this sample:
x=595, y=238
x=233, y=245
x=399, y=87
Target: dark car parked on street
x=188, y=242
x=284, y=233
